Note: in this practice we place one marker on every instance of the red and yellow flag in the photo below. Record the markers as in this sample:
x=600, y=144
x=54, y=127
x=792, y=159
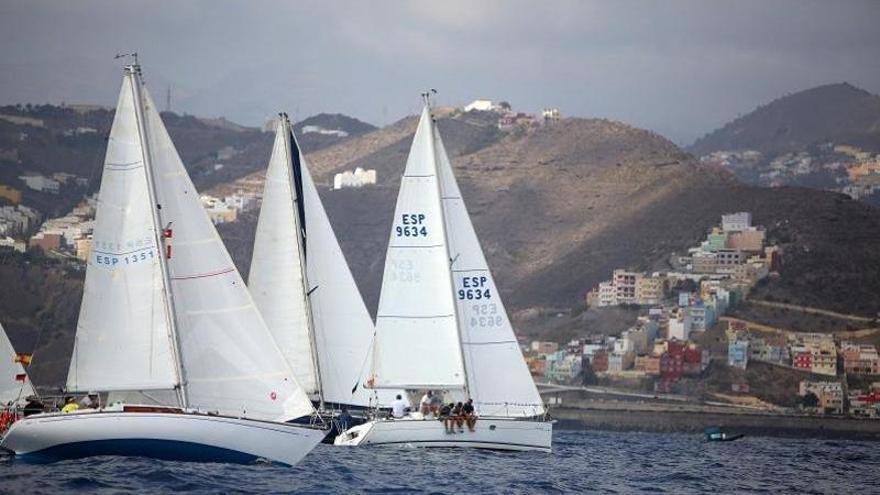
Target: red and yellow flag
x=23, y=358
x=21, y=377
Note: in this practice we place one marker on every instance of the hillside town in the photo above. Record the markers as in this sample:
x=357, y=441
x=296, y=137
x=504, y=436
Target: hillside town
x=679, y=306
x=837, y=167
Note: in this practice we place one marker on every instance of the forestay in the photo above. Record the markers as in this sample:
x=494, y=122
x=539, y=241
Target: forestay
x=498, y=378
x=276, y=277
x=11, y=387
x=123, y=332
x=231, y=363
x=417, y=342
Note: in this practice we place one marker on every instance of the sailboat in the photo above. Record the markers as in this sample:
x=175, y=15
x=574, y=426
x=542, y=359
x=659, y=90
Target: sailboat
x=15, y=384
x=166, y=325
x=301, y=283
x=441, y=324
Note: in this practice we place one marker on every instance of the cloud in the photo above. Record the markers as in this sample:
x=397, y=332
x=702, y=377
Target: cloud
x=681, y=67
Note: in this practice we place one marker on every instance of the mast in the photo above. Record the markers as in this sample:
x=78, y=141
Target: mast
x=299, y=220
x=427, y=97
x=134, y=71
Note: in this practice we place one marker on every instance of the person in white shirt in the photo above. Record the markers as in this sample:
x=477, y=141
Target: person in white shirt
x=398, y=407
x=429, y=404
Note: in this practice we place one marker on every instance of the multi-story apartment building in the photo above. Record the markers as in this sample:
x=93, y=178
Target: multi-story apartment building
x=860, y=359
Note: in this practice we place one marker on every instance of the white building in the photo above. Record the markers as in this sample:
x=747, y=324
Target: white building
x=41, y=183
x=736, y=222
x=357, y=178
x=315, y=129
x=607, y=294
x=680, y=326
x=482, y=106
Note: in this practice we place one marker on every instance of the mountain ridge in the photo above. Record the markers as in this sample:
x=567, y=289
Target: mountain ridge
x=837, y=112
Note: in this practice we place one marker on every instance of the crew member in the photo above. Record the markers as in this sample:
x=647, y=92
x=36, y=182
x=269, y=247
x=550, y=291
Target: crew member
x=70, y=405
x=343, y=419
x=398, y=407
x=430, y=403
x=457, y=416
x=90, y=401
x=446, y=416
x=469, y=416
x=33, y=406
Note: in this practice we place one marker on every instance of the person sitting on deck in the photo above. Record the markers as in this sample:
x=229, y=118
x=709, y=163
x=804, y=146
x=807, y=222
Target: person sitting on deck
x=457, y=416
x=33, y=406
x=446, y=416
x=70, y=405
x=398, y=407
x=343, y=419
x=90, y=401
x=430, y=403
x=469, y=416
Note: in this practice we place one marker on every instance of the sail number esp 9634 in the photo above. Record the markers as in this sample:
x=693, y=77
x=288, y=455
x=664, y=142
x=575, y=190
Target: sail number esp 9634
x=411, y=225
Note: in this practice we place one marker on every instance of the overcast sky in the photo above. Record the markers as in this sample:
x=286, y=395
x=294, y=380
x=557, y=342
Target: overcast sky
x=681, y=68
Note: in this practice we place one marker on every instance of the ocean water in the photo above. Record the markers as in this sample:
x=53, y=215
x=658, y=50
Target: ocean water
x=582, y=461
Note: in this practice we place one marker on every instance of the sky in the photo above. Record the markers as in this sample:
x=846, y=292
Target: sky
x=680, y=68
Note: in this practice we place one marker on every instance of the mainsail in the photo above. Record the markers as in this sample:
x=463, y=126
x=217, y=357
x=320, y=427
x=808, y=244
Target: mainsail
x=123, y=335
x=14, y=382
x=276, y=278
x=341, y=326
x=212, y=332
x=499, y=381
x=417, y=338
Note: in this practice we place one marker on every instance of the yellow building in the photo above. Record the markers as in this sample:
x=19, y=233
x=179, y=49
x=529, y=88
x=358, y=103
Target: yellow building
x=10, y=193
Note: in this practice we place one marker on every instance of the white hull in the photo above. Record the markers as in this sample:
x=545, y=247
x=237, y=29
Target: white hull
x=491, y=433
x=164, y=435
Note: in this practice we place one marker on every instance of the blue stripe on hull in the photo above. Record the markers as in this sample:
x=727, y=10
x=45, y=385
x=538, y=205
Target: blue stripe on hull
x=169, y=450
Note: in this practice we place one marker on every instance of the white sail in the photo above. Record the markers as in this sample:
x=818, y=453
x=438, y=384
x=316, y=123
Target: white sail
x=231, y=363
x=343, y=326
x=11, y=387
x=123, y=336
x=499, y=381
x=276, y=277
x=417, y=342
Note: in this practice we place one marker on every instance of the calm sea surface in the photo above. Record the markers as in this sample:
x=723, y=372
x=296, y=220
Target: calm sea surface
x=581, y=462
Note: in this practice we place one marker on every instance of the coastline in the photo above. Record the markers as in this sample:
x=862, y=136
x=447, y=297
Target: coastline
x=683, y=421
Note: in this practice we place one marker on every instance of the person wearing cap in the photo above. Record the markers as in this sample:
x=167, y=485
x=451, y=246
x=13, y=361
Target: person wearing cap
x=90, y=401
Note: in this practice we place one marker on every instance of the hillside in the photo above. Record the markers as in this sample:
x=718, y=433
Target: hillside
x=840, y=113
x=557, y=207
x=47, y=139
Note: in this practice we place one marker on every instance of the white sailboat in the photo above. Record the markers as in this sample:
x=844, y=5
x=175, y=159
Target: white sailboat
x=15, y=383
x=441, y=324
x=304, y=289
x=167, y=320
